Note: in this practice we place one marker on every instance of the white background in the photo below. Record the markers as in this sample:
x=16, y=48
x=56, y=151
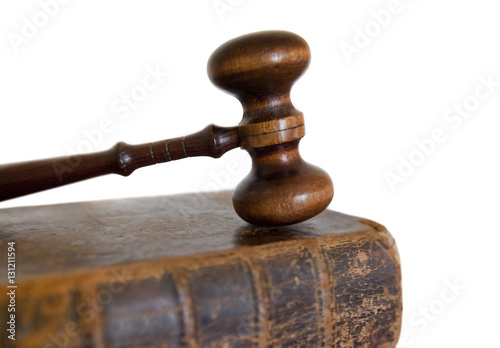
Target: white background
x=364, y=114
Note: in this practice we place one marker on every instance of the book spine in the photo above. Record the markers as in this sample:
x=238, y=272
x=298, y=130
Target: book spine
x=333, y=291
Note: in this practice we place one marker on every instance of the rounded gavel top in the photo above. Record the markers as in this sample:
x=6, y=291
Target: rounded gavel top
x=260, y=69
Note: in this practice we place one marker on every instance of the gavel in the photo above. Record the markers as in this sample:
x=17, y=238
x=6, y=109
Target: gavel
x=281, y=189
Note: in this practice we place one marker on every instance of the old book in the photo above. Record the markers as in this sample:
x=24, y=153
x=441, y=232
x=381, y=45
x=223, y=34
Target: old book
x=184, y=271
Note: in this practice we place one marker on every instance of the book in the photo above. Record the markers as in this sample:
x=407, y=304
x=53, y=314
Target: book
x=185, y=271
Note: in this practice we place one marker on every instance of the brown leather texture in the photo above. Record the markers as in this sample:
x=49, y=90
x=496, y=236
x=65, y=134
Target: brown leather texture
x=185, y=271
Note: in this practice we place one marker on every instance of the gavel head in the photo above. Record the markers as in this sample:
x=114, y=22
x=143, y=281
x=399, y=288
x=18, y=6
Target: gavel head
x=259, y=69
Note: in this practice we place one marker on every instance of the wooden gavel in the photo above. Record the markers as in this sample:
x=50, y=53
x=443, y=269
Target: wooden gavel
x=281, y=189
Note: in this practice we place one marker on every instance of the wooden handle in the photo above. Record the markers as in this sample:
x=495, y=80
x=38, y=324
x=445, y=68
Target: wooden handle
x=19, y=179
x=281, y=189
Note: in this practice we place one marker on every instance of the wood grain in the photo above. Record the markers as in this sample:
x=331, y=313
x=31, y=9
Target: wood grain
x=260, y=70
x=19, y=179
x=281, y=189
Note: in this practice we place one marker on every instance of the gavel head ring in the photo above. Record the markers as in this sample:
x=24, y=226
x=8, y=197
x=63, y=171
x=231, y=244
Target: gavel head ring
x=259, y=69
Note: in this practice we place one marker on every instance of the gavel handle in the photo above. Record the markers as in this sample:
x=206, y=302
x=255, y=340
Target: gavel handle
x=19, y=179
